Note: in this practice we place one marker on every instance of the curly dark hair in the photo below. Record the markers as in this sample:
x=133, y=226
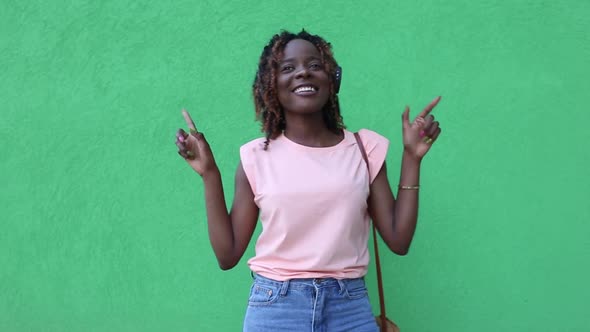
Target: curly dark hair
x=268, y=109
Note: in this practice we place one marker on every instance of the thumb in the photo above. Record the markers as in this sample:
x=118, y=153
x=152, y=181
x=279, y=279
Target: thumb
x=202, y=143
x=406, y=117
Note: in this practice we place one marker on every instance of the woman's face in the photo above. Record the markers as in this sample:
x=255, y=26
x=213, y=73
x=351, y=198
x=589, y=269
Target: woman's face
x=302, y=82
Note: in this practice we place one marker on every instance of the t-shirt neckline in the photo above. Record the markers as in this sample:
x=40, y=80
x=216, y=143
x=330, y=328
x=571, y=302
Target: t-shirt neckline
x=345, y=139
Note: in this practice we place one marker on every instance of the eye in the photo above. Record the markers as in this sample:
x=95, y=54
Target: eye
x=287, y=68
x=316, y=66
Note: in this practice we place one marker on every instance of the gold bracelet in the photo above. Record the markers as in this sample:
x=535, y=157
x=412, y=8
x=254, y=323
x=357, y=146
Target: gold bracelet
x=409, y=187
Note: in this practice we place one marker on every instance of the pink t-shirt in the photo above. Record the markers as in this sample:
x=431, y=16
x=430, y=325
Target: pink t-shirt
x=313, y=206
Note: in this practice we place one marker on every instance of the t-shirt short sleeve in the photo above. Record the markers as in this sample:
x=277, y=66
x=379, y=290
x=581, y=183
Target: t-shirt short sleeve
x=376, y=147
x=248, y=158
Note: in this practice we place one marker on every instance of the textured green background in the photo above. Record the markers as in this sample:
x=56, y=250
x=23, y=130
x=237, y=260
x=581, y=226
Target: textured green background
x=103, y=226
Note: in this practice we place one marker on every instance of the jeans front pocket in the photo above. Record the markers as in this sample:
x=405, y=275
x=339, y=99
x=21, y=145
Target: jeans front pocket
x=263, y=294
x=356, y=289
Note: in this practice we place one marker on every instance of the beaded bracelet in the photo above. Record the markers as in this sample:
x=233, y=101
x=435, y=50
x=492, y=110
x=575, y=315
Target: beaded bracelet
x=409, y=187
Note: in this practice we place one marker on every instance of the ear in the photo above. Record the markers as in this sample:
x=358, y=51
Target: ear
x=337, y=78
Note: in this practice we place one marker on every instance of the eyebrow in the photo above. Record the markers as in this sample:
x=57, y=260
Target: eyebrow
x=312, y=57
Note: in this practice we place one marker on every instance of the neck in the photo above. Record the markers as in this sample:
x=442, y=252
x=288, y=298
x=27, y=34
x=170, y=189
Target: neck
x=310, y=130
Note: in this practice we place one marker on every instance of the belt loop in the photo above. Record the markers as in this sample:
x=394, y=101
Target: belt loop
x=284, y=287
x=342, y=285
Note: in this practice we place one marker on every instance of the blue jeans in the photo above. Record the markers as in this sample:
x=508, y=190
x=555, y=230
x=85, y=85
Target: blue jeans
x=309, y=305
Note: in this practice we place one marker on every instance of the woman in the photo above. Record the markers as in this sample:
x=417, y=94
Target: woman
x=308, y=183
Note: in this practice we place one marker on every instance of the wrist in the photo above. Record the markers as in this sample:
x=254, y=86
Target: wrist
x=409, y=157
x=211, y=174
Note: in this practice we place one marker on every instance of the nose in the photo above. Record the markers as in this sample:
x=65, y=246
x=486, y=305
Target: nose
x=302, y=72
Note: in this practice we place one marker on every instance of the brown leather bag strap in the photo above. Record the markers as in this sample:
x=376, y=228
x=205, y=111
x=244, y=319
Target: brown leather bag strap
x=377, y=262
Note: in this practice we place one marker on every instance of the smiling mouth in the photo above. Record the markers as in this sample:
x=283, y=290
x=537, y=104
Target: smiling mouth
x=304, y=90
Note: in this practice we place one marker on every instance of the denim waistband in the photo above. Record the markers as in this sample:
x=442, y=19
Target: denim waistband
x=342, y=284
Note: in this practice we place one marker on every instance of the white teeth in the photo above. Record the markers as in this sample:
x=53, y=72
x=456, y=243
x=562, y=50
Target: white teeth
x=305, y=89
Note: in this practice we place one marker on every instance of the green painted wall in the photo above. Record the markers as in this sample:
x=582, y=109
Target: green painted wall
x=103, y=226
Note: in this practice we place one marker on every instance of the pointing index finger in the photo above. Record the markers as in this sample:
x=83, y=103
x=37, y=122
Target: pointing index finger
x=190, y=123
x=429, y=108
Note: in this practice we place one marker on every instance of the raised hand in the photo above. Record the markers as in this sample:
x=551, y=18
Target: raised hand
x=194, y=148
x=419, y=135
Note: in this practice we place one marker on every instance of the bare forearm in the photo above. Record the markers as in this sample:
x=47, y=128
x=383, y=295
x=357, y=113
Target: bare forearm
x=218, y=219
x=406, y=205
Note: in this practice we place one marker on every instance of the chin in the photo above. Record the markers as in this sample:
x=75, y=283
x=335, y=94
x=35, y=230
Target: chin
x=308, y=106
x=305, y=109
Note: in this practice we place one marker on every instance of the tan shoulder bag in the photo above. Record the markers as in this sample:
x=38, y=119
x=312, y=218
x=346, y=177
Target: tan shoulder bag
x=385, y=324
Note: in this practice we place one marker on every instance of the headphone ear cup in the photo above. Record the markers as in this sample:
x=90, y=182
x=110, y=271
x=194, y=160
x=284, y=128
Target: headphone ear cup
x=337, y=79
